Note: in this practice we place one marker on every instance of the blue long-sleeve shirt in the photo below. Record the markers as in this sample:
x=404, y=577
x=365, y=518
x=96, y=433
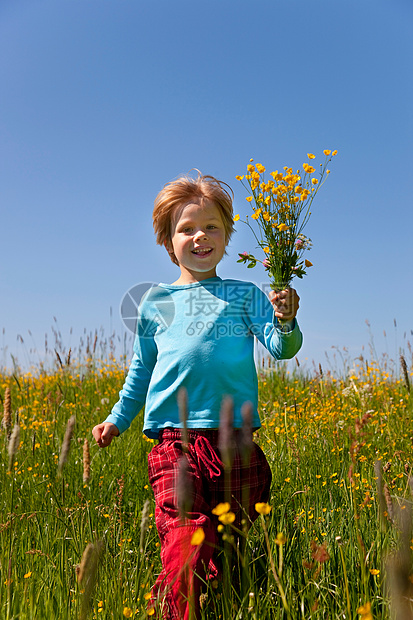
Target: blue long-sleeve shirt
x=199, y=336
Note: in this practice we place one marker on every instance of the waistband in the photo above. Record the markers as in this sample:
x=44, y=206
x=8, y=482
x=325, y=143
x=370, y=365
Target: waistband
x=211, y=434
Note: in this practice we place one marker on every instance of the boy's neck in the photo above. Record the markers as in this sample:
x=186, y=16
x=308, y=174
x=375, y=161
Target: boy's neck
x=192, y=278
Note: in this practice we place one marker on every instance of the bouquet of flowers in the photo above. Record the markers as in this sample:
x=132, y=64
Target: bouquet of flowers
x=281, y=209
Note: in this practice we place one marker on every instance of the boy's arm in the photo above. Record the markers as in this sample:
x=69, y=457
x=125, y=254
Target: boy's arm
x=133, y=394
x=272, y=321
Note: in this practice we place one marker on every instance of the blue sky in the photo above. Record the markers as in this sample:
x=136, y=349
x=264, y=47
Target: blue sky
x=104, y=101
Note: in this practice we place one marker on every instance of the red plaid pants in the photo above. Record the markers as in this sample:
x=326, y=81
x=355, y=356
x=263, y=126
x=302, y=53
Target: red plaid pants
x=186, y=566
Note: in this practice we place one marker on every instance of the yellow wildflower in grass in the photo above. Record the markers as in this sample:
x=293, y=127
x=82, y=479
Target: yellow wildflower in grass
x=327, y=152
x=127, y=612
x=239, y=178
x=334, y=153
x=198, y=537
x=266, y=250
x=151, y=611
x=310, y=156
x=236, y=217
x=365, y=612
x=249, y=199
x=221, y=509
x=374, y=571
x=314, y=181
x=263, y=508
x=27, y=575
x=147, y=596
x=280, y=539
x=260, y=168
x=227, y=518
x=282, y=227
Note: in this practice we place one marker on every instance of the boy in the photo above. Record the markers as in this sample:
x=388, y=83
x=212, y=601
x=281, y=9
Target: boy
x=198, y=334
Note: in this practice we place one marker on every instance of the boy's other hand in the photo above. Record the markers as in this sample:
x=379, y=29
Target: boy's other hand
x=285, y=303
x=104, y=433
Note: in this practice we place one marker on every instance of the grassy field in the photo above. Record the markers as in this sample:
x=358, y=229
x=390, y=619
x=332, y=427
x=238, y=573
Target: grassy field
x=336, y=544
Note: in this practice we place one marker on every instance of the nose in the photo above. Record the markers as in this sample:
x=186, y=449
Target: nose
x=200, y=234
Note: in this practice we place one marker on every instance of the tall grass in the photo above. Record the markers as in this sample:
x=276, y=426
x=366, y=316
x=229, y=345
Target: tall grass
x=336, y=544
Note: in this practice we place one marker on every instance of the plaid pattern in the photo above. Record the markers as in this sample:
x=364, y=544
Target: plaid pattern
x=205, y=485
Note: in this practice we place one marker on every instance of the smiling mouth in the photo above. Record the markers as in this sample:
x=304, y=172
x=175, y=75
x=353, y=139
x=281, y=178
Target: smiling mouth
x=202, y=251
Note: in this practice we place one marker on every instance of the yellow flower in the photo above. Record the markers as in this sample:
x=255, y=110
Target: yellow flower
x=221, y=509
x=327, y=152
x=127, y=612
x=198, y=537
x=151, y=611
x=260, y=168
x=334, y=153
x=280, y=540
x=263, y=508
x=310, y=156
x=251, y=168
x=365, y=612
x=249, y=198
x=27, y=575
x=314, y=181
x=251, y=159
x=266, y=250
x=227, y=518
x=147, y=596
x=239, y=178
x=374, y=571
x=282, y=227
x=236, y=218
x=308, y=263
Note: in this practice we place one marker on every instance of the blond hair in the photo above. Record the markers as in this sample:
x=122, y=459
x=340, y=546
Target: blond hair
x=178, y=192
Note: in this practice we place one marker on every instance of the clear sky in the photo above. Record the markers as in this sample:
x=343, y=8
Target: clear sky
x=104, y=101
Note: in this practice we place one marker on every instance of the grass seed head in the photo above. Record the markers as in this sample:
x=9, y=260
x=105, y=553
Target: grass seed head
x=246, y=435
x=183, y=488
x=405, y=373
x=66, y=443
x=144, y=524
x=225, y=431
x=6, y=422
x=86, y=462
x=13, y=445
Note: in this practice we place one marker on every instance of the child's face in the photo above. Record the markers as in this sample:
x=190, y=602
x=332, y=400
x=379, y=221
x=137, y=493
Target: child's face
x=198, y=240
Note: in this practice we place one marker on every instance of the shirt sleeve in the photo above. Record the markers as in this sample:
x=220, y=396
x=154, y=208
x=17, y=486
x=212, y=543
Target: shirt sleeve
x=133, y=394
x=283, y=341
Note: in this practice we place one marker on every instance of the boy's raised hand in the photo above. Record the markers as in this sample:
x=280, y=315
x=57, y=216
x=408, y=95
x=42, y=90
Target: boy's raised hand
x=104, y=433
x=285, y=303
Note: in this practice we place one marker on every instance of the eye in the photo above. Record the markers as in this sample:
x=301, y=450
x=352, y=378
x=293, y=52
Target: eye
x=211, y=226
